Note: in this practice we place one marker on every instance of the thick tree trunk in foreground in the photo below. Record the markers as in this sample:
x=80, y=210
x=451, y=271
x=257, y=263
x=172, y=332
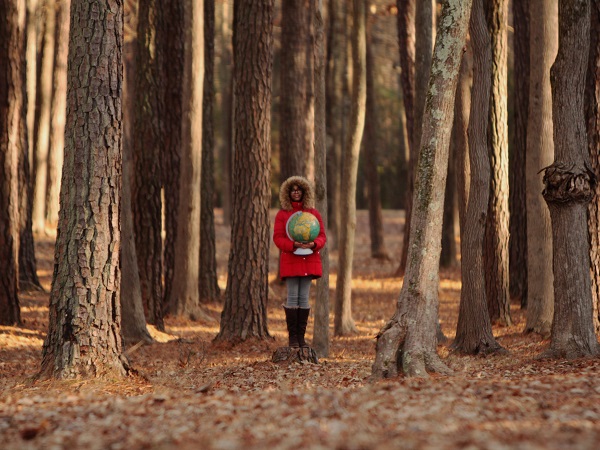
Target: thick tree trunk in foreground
x=13, y=142
x=569, y=187
x=245, y=312
x=343, y=321
x=320, y=340
x=496, y=235
x=540, y=151
x=408, y=340
x=474, y=330
x=84, y=333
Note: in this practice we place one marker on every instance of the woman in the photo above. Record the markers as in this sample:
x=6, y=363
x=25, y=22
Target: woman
x=296, y=194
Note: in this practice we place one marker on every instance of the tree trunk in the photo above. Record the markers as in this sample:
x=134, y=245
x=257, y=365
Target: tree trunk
x=517, y=206
x=371, y=153
x=496, y=235
x=42, y=127
x=409, y=340
x=84, y=335
x=133, y=319
x=540, y=150
x=58, y=111
x=593, y=128
x=185, y=296
x=170, y=41
x=320, y=340
x=146, y=149
x=569, y=187
x=33, y=44
x=344, y=323
x=406, y=41
x=448, y=257
x=474, y=329
x=226, y=78
x=245, y=312
x=13, y=143
x=295, y=85
x=208, y=285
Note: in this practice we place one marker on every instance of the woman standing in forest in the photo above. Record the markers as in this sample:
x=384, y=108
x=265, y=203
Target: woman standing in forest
x=298, y=270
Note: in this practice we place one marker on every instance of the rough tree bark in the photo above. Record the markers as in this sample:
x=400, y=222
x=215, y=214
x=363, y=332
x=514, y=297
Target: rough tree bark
x=540, y=150
x=474, y=329
x=408, y=340
x=245, y=312
x=343, y=321
x=84, y=332
x=569, y=187
x=13, y=142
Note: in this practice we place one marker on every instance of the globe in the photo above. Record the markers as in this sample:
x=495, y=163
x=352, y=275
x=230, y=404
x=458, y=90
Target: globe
x=303, y=227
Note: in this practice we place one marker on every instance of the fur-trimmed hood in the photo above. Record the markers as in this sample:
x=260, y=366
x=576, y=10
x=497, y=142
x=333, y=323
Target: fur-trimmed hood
x=308, y=199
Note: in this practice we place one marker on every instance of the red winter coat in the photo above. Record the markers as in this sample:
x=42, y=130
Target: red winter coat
x=291, y=265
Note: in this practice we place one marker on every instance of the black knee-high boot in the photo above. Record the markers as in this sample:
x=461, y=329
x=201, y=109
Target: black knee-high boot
x=303, y=314
x=291, y=319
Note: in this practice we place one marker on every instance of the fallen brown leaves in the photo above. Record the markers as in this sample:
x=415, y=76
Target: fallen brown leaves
x=187, y=392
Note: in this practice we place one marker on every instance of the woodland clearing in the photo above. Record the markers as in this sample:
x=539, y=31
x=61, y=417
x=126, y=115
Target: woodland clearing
x=189, y=393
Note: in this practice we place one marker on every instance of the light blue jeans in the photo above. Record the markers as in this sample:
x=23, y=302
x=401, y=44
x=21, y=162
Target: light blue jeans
x=297, y=292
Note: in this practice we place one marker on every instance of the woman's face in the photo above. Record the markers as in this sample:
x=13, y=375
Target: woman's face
x=296, y=193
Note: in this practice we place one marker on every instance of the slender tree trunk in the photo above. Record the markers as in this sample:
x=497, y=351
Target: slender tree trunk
x=84, y=333
x=185, y=296
x=540, y=151
x=474, y=329
x=371, y=153
x=208, y=285
x=58, y=111
x=170, y=42
x=321, y=328
x=245, y=312
x=516, y=157
x=146, y=149
x=406, y=41
x=461, y=121
x=44, y=104
x=13, y=143
x=344, y=323
x=409, y=339
x=33, y=31
x=496, y=240
x=593, y=128
x=569, y=186
x=448, y=257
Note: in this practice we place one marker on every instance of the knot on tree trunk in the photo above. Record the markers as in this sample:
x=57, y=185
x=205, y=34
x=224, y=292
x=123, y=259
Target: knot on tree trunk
x=568, y=184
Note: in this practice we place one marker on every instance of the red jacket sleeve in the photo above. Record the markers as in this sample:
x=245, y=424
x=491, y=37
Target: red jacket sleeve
x=280, y=237
x=321, y=239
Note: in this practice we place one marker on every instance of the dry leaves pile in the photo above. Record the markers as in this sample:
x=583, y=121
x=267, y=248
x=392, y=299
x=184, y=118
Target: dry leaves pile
x=191, y=393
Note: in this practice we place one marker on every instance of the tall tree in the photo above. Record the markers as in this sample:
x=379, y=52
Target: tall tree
x=13, y=142
x=146, y=151
x=371, y=152
x=474, y=329
x=58, y=111
x=569, y=186
x=84, y=332
x=343, y=321
x=517, y=242
x=593, y=128
x=321, y=328
x=185, y=296
x=296, y=81
x=496, y=235
x=409, y=340
x=540, y=150
x=208, y=285
x=245, y=312
x=33, y=43
x=406, y=41
x=42, y=126
x=170, y=41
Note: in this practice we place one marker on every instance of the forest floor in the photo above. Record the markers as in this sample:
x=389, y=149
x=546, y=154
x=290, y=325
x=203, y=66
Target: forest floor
x=190, y=393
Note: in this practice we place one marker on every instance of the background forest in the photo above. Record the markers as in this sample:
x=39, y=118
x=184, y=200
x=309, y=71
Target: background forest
x=454, y=150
